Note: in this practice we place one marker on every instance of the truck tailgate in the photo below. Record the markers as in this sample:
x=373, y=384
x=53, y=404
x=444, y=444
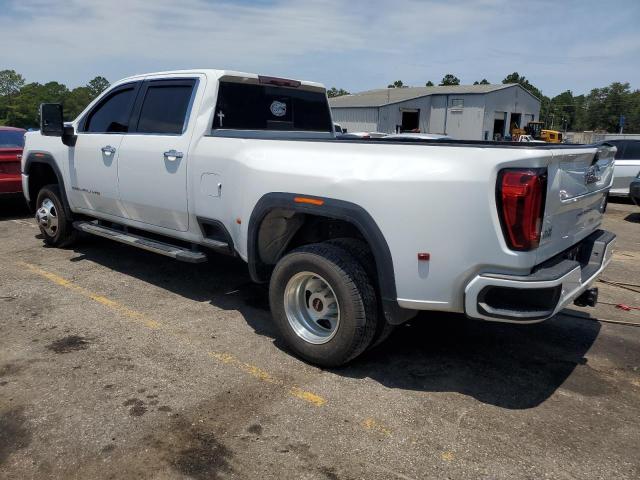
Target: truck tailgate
x=577, y=186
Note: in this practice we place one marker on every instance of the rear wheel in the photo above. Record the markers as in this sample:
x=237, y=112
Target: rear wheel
x=361, y=252
x=323, y=304
x=52, y=219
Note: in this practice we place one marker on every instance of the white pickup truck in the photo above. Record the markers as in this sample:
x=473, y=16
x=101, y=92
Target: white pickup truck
x=354, y=236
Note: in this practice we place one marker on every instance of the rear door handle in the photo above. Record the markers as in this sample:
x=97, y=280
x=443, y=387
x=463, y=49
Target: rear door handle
x=108, y=150
x=173, y=155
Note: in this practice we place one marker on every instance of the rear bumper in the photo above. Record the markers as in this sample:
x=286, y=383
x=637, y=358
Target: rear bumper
x=548, y=289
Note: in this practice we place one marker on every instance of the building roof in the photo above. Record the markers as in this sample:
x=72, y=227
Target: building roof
x=386, y=96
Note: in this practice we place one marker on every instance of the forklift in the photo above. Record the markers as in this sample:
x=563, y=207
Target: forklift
x=537, y=132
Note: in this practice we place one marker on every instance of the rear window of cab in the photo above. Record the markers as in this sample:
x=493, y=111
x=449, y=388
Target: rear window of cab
x=263, y=107
x=11, y=139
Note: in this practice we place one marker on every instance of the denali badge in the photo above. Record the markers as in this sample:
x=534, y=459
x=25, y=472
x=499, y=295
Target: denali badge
x=592, y=175
x=278, y=109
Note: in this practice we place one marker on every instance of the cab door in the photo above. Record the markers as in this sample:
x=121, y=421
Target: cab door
x=93, y=161
x=152, y=165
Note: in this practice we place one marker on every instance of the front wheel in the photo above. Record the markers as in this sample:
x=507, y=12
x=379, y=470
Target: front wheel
x=323, y=304
x=52, y=219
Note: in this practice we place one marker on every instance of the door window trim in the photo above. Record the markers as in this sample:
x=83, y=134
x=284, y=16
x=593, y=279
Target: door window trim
x=82, y=124
x=193, y=82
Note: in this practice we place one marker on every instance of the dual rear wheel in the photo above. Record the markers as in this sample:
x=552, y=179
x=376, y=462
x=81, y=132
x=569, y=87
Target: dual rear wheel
x=324, y=303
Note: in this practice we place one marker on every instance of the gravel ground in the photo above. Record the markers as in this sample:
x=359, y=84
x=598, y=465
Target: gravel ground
x=116, y=363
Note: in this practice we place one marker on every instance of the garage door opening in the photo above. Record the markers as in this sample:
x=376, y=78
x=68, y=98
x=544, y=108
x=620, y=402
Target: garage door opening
x=516, y=121
x=498, y=129
x=410, y=121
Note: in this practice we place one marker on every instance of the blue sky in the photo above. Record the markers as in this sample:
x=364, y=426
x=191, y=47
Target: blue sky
x=356, y=45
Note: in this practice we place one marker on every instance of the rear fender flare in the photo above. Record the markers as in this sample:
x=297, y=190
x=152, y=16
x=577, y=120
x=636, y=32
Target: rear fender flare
x=331, y=208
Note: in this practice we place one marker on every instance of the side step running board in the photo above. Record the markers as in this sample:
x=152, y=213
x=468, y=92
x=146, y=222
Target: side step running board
x=173, y=251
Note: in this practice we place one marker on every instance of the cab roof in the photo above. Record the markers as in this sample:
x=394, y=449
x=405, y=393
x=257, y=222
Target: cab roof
x=213, y=74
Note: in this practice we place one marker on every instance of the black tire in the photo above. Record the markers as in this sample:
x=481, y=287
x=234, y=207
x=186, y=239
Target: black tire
x=64, y=234
x=361, y=252
x=353, y=290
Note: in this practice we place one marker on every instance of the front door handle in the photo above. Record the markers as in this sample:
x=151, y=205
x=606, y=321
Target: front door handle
x=172, y=155
x=108, y=150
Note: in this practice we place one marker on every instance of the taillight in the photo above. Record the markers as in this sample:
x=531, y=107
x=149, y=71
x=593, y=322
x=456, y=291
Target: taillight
x=520, y=196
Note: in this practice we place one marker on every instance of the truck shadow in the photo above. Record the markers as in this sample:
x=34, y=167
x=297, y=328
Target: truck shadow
x=509, y=366
x=14, y=208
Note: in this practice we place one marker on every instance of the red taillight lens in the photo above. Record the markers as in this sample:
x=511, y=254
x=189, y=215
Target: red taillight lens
x=521, y=195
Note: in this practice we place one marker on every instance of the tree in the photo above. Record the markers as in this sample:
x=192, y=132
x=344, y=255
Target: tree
x=429, y=84
x=10, y=84
x=450, y=79
x=484, y=81
x=97, y=86
x=397, y=84
x=336, y=92
x=516, y=78
x=76, y=101
x=23, y=112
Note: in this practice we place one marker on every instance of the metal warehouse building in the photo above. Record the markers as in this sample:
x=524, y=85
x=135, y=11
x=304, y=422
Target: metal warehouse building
x=465, y=112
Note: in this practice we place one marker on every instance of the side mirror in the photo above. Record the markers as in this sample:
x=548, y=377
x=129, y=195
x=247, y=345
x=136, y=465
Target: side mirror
x=51, y=124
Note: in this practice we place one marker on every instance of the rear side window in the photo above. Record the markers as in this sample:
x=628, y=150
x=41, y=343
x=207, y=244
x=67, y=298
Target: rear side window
x=632, y=150
x=164, y=108
x=112, y=114
x=261, y=107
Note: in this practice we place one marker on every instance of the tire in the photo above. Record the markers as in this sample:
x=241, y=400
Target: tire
x=308, y=286
x=361, y=251
x=52, y=219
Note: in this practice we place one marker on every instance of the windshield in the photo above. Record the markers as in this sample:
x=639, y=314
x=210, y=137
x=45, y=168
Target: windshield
x=11, y=139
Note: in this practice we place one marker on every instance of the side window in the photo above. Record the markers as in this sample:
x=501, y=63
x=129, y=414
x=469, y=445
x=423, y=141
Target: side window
x=632, y=150
x=112, y=114
x=164, y=108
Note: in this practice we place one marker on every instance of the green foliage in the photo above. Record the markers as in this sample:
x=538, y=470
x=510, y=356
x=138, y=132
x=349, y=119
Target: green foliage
x=336, y=92
x=20, y=102
x=97, y=86
x=429, y=84
x=516, y=78
x=484, y=81
x=450, y=79
x=397, y=84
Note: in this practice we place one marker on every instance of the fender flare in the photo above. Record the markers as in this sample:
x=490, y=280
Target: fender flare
x=47, y=159
x=331, y=208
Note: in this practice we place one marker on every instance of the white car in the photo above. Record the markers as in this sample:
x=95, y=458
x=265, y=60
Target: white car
x=363, y=135
x=627, y=165
x=354, y=237
x=528, y=139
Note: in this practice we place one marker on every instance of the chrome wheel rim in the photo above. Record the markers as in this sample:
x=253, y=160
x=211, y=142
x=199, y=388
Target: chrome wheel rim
x=47, y=217
x=311, y=307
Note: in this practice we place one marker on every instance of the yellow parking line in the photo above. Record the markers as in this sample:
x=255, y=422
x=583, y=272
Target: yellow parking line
x=113, y=305
x=225, y=358
x=373, y=425
x=264, y=376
